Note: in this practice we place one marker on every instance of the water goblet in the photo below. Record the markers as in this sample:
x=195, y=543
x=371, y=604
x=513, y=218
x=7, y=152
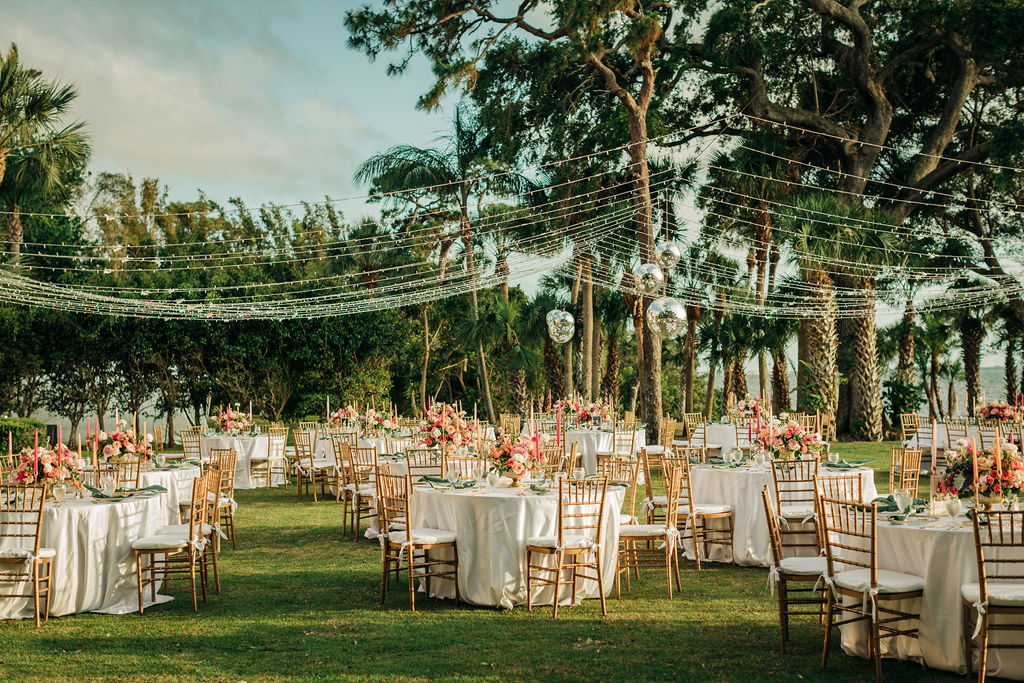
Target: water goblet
x=452, y=476
x=59, y=491
x=578, y=473
x=953, y=508
x=108, y=485
x=833, y=457
x=903, y=500
x=492, y=478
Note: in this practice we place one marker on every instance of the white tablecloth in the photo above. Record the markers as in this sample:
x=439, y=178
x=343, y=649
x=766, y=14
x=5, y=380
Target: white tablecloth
x=246, y=447
x=741, y=488
x=178, y=483
x=398, y=466
x=491, y=530
x=945, y=558
x=593, y=440
x=723, y=435
x=94, y=568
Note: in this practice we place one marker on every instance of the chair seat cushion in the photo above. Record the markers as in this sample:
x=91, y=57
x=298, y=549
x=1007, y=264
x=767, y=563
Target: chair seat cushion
x=888, y=581
x=182, y=530
x=160, y=542
x=804, y=566
x=364, y=490
x=797, y=511
x=25, y=553
x=259, y=458
x=707, y=509
x=655, y=450
x=679, y=442
x=641, y=531
x=552, y=541
x=423, y=535
x=659, y=501
x=1003, y=593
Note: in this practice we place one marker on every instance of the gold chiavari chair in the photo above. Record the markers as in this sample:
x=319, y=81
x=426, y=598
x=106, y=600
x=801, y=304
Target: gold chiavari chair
x=129, y=473
x=956, y=429
x=109, y=470
x=511, y=424
x=857, y=587
x=342, y=465
x=623, y=472
x=195, y=429
x=636, y=549
x=211, y=532
x=191, y=445
x=222, y=512
x=362, y=479
x=827, y=427
x=310, y=427
x=276, y=459
x=158, y=440
x=988, y=431
x=795, y=499
x=22, y=561
x=575, y=545
x=311, y=470
x=175, y=556
x=746, y=431
x=904, y=469
x=808, y=422
x=695, y=454
x=548, y=427
x=629, y=415
x=424, y=462
x=694, y=518
x=696, y=433
x=412, y=545
x=261, y=428
x=396, y=445
x=653, y=506
x=908, y=426
x=838, y=487
x=554, y=455
x=798, y=579
x=409, y=422
x=668, y=432
x=996, y=601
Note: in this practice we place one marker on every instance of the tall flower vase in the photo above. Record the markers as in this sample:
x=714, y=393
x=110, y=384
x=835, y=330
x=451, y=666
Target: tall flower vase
x=516, y=483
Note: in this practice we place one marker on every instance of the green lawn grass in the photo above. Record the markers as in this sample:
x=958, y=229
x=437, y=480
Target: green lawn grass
x=301, y=602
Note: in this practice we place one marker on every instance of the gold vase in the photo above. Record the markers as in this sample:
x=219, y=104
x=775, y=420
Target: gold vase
x=516, y=483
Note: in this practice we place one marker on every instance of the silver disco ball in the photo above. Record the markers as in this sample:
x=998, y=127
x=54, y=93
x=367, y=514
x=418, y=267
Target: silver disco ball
x=666, y=317
x=667, y=254
x=648, y=279
x=561, y=325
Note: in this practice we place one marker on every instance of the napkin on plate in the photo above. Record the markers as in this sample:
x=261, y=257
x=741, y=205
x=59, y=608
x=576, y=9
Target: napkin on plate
x=456, y=485
x=888, y=504
x=155, y=488
x=841, y=465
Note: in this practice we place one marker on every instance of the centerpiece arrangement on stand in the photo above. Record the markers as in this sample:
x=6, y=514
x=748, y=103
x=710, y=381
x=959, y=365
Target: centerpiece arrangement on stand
x=990, y=475
x=343, y=417
x=787, y=439
x=447, y=428
x=750, y=406
x=57, y=466
x=583, y=414
x=997, y=410
x=379, y=424
x=517, y=457
x=123, y=444
x=233, y=421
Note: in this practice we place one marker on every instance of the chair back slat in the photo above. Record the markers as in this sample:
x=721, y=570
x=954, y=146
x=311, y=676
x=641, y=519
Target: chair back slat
x=794, y=482
x=905, y=469
x=999, y=545
x=581, y=508
x=849, y=532
x=424, y=462
x=21, y=515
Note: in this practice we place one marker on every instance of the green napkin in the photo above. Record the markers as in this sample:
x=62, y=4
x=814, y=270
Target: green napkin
x=841, y=465
x=430, y=479
x=714, y=461
x=156, y=488
x=538, y=488
x=190, y=461
x=456, y=485
x=888, y=504
x=982, y=519
x=99, y=495
x=729, y=466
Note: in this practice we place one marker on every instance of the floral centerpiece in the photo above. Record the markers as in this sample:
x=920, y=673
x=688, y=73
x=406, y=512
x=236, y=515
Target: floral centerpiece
x=788, y=439
x=997, y=410
x=233, y=421
x=343, y=416
x=517, y=457
x=49, y=467
x=123, y=444
x=446, y=427
x=579, y=412
x=750, y=406
x=995, y=480
x=376, y=423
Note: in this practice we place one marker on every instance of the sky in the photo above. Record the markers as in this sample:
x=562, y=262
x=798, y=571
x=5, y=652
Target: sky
x=253, y=98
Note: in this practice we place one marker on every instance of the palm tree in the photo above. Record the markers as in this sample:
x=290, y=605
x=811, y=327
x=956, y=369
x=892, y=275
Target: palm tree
x=933, y=340
x=951, y=371
x=456, y=175
x=499, y=324
x=535, y=331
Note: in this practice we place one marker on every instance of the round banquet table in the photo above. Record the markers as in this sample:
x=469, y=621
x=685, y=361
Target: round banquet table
x=740, y=488
x=94, y=567
x=945, y=558
x=591, y=441
x=246, y=447
x=491, y=528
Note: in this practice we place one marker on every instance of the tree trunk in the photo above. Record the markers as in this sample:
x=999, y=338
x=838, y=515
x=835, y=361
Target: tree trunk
x=972, y=333
x=15, y=229
x=933, y=384
x=1010, y=373
x=739, y=379
x=951, y=397
x=821, y=346
x=610, y=382
x=865, y=391
x=780, y=382
x=588, y=328
x=426, y=358
x=596, y=349
x=728, y=396
x=552, y=368
x=689, y=356
x=517, y=391
x=905, y=364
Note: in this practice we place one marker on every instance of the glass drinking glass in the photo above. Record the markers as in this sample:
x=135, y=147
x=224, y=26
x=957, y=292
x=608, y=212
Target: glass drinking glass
x=452, y=476
x=903, y=499
x=492, y=478
x=953, y=508
x=833, y=457
x=108, y=485
x=59, y=491
x=578, y=473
